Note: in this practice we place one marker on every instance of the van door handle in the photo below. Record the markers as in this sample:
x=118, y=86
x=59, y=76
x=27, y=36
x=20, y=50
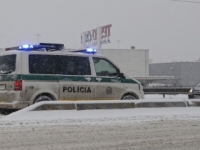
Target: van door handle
x=88, y=79
x=99, y=79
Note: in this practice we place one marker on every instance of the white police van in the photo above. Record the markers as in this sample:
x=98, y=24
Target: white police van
x=44, y=72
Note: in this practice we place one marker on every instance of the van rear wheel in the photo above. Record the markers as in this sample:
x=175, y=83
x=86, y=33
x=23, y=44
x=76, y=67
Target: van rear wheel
x=129, y=97
x=41, y=98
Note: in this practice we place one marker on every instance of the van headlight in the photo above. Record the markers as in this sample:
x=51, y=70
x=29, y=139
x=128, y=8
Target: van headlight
x=191, y=90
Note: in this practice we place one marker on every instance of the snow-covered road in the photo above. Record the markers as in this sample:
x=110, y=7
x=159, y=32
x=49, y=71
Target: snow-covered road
x=128, y=129
x=138, y=129
x=147, y=135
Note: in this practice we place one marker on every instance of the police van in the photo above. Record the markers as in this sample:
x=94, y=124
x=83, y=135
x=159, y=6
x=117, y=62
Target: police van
x=44, y=72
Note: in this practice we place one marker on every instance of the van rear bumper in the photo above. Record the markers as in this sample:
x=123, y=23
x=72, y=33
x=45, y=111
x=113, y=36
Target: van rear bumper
x=14, y=105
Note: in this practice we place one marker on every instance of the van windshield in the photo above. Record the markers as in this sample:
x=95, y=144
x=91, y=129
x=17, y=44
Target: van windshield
x=7, y=64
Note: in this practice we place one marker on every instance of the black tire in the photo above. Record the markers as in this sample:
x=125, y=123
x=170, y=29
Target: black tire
x=129, y=97
x=41, y=98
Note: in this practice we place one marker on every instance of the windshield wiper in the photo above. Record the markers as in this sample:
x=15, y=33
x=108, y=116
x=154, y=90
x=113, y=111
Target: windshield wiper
x=5, y=72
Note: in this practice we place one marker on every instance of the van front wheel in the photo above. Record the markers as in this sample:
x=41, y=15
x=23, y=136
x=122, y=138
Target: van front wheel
x=42, y=98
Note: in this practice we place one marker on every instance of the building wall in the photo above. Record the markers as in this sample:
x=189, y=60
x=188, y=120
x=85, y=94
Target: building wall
x=185, y=73
x=130, y=61
x=190, y=72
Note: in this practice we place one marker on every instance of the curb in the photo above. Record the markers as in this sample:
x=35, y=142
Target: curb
x=89, y=106
x=194, y=103
x=112, y=105
x=55, y=107
x=160, y=104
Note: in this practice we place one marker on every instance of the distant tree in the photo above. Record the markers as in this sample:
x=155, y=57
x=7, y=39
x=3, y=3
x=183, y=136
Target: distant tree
x=132, y=47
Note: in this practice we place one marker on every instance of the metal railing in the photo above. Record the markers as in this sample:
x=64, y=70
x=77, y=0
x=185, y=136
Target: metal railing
x=166, y=90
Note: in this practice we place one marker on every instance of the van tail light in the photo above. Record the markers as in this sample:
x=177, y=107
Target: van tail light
x=18, y=85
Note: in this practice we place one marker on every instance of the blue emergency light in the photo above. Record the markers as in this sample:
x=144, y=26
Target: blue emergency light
x=26, y=47
x=87, y=50
x=90, y=50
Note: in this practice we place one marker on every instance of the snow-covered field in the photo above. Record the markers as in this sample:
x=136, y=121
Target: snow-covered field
x=138, y=129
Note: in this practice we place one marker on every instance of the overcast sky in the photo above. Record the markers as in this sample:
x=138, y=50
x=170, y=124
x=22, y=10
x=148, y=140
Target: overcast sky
x=169, y=29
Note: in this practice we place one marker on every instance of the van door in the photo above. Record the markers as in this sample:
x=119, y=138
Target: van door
x=108, y=85
x=40, y=76
x=76, y=82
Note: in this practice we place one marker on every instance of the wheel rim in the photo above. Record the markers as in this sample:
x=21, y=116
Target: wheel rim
x=42, y=98
x=128, y=97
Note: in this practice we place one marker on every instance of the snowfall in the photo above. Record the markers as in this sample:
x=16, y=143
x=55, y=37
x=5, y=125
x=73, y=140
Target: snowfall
x=117, y=129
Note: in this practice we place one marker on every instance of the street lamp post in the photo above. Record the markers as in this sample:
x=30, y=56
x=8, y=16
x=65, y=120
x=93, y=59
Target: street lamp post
x=118, y=43
x=38, y=37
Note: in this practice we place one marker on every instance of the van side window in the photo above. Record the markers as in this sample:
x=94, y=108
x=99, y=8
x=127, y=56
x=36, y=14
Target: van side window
x=7, y=63
x=43, y=64
x=104, y=68
x=75, y=65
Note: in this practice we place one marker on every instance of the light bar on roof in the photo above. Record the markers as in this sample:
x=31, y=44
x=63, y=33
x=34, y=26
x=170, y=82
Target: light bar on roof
x=87, y=50
x=46, y=46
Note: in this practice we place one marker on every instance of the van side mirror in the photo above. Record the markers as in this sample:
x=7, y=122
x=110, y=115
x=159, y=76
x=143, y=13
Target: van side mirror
x=121, y=75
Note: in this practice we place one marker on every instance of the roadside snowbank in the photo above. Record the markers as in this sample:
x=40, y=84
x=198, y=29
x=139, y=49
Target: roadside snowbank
x=138, y=129
x=101, y=116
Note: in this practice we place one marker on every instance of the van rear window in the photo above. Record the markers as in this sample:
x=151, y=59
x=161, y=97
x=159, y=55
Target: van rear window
x=55, y=64
x=7, y=63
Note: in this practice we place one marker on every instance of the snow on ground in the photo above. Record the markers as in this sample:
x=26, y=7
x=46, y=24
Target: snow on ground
x=1, y=116
x=104, y=117
x=138, y=129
